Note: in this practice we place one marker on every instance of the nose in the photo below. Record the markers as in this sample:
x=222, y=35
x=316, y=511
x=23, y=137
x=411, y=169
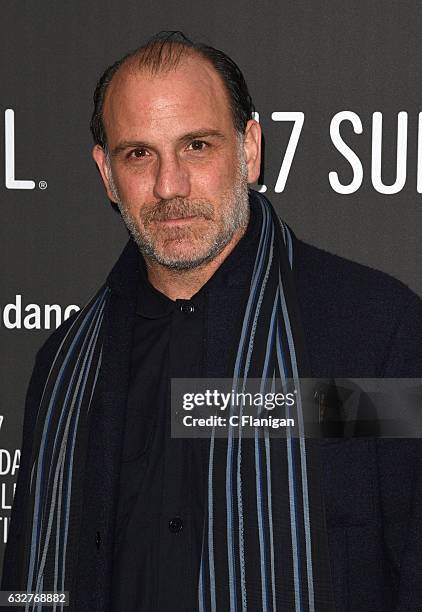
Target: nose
x=172, y=179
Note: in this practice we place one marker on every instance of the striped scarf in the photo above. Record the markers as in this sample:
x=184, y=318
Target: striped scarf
x=264, y=546
x=264, y=540
x=58, y=452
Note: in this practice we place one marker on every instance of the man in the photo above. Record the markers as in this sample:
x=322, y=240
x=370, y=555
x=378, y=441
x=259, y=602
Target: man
x=211, y=284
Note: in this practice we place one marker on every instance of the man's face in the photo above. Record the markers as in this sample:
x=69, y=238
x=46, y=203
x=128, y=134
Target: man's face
x=177, y=168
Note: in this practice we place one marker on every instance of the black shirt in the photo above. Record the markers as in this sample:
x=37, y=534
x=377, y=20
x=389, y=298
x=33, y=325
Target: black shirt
x=160, y=514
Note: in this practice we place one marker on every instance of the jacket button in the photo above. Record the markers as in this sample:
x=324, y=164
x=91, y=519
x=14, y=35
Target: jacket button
x=176, y=525
x=98, y=539
x=187, y=308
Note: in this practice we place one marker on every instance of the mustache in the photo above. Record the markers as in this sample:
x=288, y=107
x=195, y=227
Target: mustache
x=177, y=208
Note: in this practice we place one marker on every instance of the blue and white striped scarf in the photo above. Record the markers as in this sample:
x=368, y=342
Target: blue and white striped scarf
x=59, y=451
x=264, y=544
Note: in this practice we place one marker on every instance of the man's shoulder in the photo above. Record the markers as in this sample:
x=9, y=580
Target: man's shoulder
x=358, y=321
x=339, y=282
x=52, y=343
x=122, y=281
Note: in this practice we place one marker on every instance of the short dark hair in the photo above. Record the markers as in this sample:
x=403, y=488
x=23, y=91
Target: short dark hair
x=163, y=52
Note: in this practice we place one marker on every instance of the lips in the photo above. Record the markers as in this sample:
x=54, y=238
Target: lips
x=177, y=220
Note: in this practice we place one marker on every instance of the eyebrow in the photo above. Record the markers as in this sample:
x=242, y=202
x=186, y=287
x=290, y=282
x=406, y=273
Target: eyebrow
x=129, y=144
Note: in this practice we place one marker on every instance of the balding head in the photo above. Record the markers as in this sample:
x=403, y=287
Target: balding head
x=163, y=53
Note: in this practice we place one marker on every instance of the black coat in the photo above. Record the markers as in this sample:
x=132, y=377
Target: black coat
x=357, y=323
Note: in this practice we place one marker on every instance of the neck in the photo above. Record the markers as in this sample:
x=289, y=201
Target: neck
x=183, y=284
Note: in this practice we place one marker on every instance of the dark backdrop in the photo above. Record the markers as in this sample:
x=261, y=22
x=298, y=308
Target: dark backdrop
x=319, y=58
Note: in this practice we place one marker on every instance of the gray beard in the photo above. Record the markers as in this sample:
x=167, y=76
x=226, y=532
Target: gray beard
x=235, y=217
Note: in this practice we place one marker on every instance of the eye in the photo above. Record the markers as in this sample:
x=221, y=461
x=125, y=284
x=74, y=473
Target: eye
x=138, y=153
x=198, y=145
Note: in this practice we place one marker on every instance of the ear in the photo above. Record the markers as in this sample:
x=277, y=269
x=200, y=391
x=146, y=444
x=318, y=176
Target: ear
x=99, y=156
x=252, y=148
